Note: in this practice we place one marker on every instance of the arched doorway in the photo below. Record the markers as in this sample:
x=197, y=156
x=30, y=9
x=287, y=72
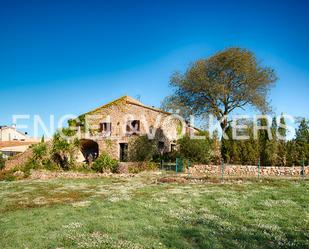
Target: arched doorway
x=89, y=149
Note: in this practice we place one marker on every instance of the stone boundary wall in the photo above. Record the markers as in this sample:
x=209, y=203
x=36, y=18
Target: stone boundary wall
x=246, y=170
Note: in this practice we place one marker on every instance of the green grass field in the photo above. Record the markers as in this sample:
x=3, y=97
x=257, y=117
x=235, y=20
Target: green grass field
x=138, y=212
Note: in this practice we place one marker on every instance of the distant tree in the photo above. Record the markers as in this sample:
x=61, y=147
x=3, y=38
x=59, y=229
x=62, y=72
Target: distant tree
x=230, y=79
x=302, y=133
x=282, y=144
x=281, y=130
x=302, y=141
x=272, y=145
x=249, y=150
x=292, y=153
x=264, y=147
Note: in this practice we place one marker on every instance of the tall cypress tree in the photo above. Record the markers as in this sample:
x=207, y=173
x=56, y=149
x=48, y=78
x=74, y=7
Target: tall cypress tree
x=271, y=150
x=263, y=143
x=282, y=157
x=302, y=141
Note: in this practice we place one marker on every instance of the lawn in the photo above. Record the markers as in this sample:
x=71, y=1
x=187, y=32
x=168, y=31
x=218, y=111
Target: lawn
x=139, y=212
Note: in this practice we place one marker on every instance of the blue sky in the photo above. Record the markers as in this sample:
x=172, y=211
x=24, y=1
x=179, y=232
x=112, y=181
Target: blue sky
x=67, y=57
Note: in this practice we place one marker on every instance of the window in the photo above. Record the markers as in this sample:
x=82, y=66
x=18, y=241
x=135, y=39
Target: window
x=151, y=130
x=133, y=127
x=106, y=128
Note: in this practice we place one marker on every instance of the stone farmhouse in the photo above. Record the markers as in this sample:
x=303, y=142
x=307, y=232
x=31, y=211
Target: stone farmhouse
x=111, y=127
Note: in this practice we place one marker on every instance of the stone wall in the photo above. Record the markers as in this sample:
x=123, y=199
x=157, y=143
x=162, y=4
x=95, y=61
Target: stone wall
x=245, y=170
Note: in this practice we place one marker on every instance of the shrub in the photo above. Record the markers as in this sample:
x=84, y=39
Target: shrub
x=30, y=165
x=196, y=150
x=7, y=176
x=40, y=152
x=142, y=166
x=2, y=161
x=166, y=157
x=142, y=149
x=63, y=150
x=105, y=163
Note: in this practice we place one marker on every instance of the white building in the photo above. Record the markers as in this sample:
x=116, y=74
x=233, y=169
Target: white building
x=12, y=141
x=9, y=133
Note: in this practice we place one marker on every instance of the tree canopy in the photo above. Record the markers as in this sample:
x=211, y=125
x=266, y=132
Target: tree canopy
x=230, y=79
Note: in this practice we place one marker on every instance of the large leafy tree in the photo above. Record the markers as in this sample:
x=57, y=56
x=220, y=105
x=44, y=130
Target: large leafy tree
x=230, y=79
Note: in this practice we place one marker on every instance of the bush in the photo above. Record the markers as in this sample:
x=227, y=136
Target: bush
x=63, y=151
x=142, y=149
x=196, y=150
x=2, y=161
x=142, y=166
x=105, y=163
x=40, y=152
x=30, y=165
x=7, y=176
x=166, y=157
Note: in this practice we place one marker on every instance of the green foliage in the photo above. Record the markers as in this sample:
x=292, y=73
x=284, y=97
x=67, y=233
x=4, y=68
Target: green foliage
x=105, y=163
x=196, y=150
x=60, y=153
x=268, y=149
x=40, y=152
x=302, y=141
x=63, y=150
x=7, y=176
x=142, y=149
x=142, y=166
x=228, y=80
x=282, y=131
x=30, y=165
x=2, y=161
x=302, y=133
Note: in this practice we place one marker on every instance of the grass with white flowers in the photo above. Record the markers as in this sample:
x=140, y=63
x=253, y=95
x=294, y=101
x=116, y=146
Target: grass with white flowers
x=140, y=212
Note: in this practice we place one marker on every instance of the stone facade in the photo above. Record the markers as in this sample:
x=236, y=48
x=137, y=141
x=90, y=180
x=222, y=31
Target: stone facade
x=246, y=171
x=113, y=125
